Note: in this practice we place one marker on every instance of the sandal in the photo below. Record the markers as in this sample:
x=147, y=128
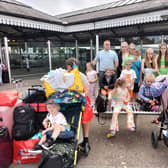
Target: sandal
x=155, y=122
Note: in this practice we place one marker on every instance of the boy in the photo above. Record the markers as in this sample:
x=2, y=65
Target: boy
x=150, y=91
x=129, y=75
x=108, y=79
x=55, y=125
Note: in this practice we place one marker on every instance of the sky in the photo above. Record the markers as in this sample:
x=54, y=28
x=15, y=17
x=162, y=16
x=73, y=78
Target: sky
x=55, y=7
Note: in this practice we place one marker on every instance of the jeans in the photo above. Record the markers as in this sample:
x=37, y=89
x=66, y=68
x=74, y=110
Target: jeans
x=63, y=134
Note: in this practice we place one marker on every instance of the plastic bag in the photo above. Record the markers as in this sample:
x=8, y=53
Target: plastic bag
x=21, y=152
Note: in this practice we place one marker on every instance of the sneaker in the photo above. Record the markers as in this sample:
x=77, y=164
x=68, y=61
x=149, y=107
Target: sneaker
x=110, y=134
x=37, y=149
x=132, y=129
x=155, y=122
x=85, y=148
x=48, y=144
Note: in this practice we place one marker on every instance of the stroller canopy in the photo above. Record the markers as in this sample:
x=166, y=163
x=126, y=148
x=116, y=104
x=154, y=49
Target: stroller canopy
x=67, y=97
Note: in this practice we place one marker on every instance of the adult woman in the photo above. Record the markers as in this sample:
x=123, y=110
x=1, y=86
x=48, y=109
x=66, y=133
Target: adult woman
x=149, y=63
x=81, y=84
x=123, y=56
x=162, y=59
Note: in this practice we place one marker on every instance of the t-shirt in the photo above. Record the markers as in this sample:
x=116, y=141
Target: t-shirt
x=84, y=79
x=127, y=57
x=106, y=59
x=136, y=66
x=91, y=75
x=58, y=119
x=129, y=76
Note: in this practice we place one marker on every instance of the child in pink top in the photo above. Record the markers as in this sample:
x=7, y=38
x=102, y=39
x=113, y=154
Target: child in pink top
x=92, y=78
x=120, y=98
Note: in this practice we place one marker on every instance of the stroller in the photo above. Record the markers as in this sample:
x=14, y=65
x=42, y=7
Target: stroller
x=64, y=152
x=163, y=133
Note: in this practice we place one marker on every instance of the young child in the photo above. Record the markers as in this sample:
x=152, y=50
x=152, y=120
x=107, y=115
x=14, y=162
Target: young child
x=120, y=98
x=92, y=78
x=55, y=126
x=150, y=91
x=129, y=75
x=108, y=79
x=136, y=66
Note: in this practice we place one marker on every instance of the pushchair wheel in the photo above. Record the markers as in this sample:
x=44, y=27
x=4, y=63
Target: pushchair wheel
x=154, y=139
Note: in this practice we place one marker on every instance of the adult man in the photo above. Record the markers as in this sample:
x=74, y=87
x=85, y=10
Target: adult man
x=107, y=59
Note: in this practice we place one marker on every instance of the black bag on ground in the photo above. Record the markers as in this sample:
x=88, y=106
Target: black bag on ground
x=5, y=76
x=24, y=122
x=101, y=103
x=35, y=95
x=61, y=154
x=51, y=161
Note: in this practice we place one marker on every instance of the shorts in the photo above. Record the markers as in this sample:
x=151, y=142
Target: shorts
x=136, y=88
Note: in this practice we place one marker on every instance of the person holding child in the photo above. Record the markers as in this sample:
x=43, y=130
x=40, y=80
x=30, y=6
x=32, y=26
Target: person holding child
x=55, y=125
x=119, y=98
x=129, y=75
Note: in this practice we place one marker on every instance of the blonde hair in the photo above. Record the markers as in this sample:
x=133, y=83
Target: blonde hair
x=149, y=77
x=147, y=63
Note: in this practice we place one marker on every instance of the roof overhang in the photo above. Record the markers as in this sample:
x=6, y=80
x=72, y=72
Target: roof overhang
x=138, y=19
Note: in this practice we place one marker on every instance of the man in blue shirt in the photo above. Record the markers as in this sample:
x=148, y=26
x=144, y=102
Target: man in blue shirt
x=106, y=59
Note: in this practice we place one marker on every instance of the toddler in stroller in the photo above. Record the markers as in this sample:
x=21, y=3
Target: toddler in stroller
x=55, y=125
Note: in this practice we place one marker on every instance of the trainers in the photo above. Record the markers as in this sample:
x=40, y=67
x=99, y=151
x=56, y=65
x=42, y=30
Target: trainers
x=48, y=144
x=110, y=134
x=155, y=122
x=37, y=149
x=84, y=147
x=132, y=129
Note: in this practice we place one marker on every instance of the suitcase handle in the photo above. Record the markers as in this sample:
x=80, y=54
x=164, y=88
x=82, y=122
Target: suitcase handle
x=36, y=86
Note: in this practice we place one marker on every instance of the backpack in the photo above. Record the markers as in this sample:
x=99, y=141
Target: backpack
x=35, y=95
x=24, y=122
x=101, y=102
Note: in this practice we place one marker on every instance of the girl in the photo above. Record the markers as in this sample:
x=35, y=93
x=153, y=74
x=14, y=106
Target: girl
x=136, y=66
x=120, y=100
x=149, y=64
x=162, y=59
x=92, y=78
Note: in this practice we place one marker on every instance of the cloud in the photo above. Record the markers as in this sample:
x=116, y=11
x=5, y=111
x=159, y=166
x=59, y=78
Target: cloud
x=55, y=7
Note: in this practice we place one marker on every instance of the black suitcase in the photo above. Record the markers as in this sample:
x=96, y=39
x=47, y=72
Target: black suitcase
x=5, y=76
x=5, y=148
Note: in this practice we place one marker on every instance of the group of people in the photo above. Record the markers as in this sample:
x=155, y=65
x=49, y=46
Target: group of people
x=123, y=76
x=126, y=76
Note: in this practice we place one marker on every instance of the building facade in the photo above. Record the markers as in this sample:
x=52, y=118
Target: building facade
x=44, y=42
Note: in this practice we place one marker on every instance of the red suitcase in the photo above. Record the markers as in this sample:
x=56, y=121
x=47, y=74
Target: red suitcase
x=5, y=148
